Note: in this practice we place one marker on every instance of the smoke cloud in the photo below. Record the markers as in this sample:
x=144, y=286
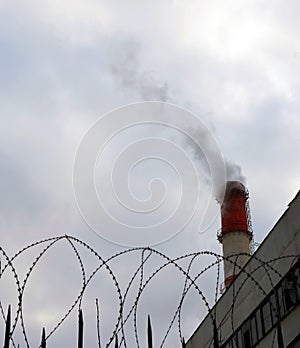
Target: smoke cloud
x=128, y=73
x=234, y=172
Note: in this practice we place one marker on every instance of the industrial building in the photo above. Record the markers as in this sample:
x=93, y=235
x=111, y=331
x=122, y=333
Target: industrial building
x=260, y=306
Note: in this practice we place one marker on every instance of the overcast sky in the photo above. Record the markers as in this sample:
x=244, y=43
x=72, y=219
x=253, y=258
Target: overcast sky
x=63, y=64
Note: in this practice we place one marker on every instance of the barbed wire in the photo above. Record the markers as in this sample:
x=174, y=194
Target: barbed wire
x=143, y=279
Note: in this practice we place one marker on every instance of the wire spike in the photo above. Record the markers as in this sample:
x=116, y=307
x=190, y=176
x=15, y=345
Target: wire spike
x=43, y=342
x=216, y=337
x=149, y=330
x=7, y=328
x=80, y=329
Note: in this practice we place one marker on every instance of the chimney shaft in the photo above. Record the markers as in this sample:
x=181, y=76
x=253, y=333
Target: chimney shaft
x=236, y=233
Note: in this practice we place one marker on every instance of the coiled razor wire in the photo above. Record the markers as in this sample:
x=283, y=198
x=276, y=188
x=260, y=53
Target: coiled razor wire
x=189, y=282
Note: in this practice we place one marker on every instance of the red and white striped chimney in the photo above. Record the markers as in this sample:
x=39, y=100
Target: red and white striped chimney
x=236, y=232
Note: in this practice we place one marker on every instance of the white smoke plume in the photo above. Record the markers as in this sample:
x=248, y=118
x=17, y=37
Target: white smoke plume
x=234, y=172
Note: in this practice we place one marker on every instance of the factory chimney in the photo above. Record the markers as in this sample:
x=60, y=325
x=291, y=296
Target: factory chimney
x=236, y=231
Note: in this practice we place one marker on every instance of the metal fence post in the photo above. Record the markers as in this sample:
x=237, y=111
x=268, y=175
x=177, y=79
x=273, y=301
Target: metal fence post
x=43, y=342
x=149, y=329
x=80, y=329
x=7, y=328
